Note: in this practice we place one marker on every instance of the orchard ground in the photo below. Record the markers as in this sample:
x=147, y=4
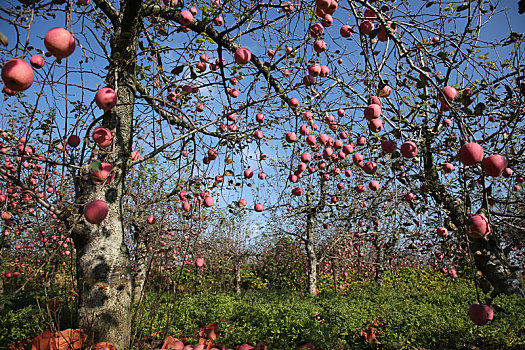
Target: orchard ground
x=420, y=309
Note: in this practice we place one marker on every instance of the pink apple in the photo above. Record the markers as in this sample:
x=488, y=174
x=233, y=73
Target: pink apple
x=409, y=149
x=290, y=137
x=314, y=69
x=259, y=117
x=37, y=61
x=199, y=262
x=105, y=172
x=151, y=220
x=96, y=211
x=374, y=185
x=372, y=111
x=388, y=146
x=346, y=31
x=242, y=202
x=366, y=27
x=375, y=125
x=136, y=155
x=470, y=153
x=258, y=134
x=106, y=98
x=185, y=18
x=357, y=158
x=209, y=201
x=442, y=232
x=102, y=137
x=60, y=42
x=293, y=102
x=480, y=314
x=450, y=93
x=316, y=30
x=507, y=173
x=248, y=173
x=242, y=55
x=17, y=75
x=324, y=71
x=494, y=165
x=479, y=226
x=319, y=46
x=73, y=141
x=370, y=168
x=448, y=168
x=259, y=207
x=327, y=20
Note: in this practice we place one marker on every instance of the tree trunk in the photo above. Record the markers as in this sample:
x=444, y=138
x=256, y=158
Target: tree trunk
x=334, y=274
x=311, y=256
x=488, y=255
x=103, y=264
x=141, y=263
x=237, y=279
x=380, y=261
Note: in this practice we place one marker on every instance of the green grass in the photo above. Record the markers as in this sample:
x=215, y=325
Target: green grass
x=433, y=319
x=422, y=310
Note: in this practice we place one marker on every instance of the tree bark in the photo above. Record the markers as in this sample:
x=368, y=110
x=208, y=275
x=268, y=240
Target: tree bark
x=141, y=262
x=310, y=254
x=380, y=261
x=237, y=279
x=488, y=255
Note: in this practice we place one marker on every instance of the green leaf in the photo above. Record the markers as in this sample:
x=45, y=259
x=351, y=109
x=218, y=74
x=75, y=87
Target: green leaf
x=3, y=39
x=96, y=165
x=177, y=70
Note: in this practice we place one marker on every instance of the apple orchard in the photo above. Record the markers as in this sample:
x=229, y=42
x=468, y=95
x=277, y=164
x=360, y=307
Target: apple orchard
x=142, y=138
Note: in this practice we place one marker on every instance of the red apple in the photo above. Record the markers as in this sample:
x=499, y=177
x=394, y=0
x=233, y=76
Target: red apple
x=316, y=30
x=298, y=191
x=37, y=61
x=319, y=46
x=442, y=232
x=388, y=146
x=479, y=226
x=370, y=168
x=375, y=125
x=448, y=168
x=409, y=149
x=259, y=207
x=73, y=141
x=60, y=42
x=248, y=173
x=105, y=172
x=346, y=31
x=151, y=220
x=242, y=55
x=470, y=153
x=374, y=185
x=372, y=111
x=17, y=75
x=106, y=98
x=366, y=27
x=480, y=314
x=102, y=137
x=96, y=211
x=185, y=17
x=494, y=165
